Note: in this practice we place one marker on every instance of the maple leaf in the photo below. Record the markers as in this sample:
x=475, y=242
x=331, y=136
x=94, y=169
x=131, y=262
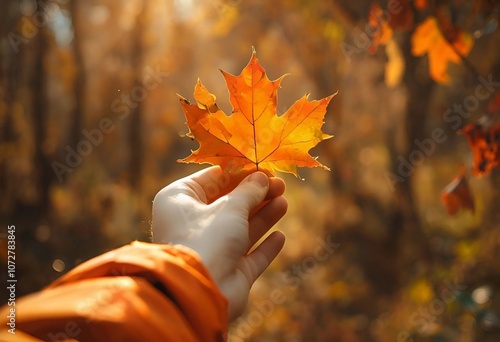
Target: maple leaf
x=429, y=39
x=457, y=195
x=254, y=137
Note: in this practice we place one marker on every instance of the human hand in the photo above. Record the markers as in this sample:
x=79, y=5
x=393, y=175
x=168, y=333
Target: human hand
x=221, y=224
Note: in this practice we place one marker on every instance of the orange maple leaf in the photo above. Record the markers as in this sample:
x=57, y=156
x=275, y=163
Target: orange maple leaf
x=253, y=137
x=429, y=39
x=457, y=194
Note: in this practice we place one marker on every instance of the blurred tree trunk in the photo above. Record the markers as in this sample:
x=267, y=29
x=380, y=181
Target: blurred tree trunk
x=135, y=138
x=9, y=81
x=79, y=86
x=45, y=174
x=419, y=88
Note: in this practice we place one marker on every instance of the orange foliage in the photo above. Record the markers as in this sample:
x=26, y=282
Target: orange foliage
x=395, y=65
x=494, y=106
x=382, y=29
x=485, y=145
x=457, y=194
x=401, y=17
x=429, y=39
x=383, y=23
x=421, y=4
x=253, y=137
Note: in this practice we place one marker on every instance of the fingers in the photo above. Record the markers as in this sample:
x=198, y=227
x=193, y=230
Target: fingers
x=191, y=186
x=276, y=187
x=263, y=255
x=249, y=193
x=206, y=175
x=265, y=218
x=217, y=183
x=212, y=182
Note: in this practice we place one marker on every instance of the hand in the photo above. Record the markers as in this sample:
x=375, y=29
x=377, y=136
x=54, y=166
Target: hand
x=221, y=224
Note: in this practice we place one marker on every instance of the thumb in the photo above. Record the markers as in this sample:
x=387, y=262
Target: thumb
x=250, y=192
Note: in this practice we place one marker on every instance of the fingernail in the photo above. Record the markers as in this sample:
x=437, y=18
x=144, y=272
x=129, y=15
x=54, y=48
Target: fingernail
x=260, y=178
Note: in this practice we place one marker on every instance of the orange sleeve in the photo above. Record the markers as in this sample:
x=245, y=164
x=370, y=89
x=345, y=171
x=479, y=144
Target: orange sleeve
x=139, y=292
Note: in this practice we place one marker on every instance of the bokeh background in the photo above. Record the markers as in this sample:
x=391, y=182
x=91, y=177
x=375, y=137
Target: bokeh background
x=91, y=128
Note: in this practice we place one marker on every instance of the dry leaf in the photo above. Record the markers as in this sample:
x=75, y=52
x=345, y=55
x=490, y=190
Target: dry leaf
x=457, y=194
x=484, y=141
x=253, y=137
x=494, y=106
x=401, y=17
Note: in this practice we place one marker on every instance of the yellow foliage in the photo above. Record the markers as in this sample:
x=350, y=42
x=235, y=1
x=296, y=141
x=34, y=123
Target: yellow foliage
x=338, y=290
x=228, y=18
x=395, y=66
x=467, y=250
x=421, y=291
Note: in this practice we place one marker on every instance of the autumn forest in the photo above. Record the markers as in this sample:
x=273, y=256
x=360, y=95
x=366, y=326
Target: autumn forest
x=395, y=236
